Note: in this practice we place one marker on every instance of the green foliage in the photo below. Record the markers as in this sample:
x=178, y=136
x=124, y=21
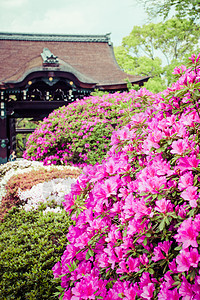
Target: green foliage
x=131, y=86
x=142, y=65
x=30, y=245
x=177, y=37
x=99, y=93
x=141, y=51
x=125, y=60
x=182, y=9
x=174, y=38
x=155, y=85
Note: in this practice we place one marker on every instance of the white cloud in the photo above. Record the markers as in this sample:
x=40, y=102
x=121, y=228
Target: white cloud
x=10, y=4
x=61, y=21
x=72, y=17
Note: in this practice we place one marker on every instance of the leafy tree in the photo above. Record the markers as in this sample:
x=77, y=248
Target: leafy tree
x=141, y=51
x=183, y=8
x=174, y=38
x=155, y=85
x=137, y=65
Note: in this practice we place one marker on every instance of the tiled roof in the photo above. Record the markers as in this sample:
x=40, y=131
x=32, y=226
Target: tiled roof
x=89, y=57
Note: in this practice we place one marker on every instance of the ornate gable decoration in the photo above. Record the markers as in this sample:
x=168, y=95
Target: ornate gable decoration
x=49, y=59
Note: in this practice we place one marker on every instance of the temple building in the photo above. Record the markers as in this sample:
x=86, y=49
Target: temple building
x=41, y=72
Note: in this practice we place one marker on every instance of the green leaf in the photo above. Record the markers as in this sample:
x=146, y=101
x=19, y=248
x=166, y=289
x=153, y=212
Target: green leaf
x=148, y=234
x=178, y=248
x=151, y=271
x=87, y=256
x=162, y=225
x=145, y=242
x=91, y=252
x=120, y=295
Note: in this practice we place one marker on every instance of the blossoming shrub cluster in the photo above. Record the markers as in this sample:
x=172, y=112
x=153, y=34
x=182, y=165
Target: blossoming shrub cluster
x=23, y=181
x=137, y=215
x=78, y=134
x=13, y=168
x=49, y=193
x=30, y=244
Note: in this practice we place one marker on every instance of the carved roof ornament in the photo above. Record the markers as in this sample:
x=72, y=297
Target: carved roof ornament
x=49, y=59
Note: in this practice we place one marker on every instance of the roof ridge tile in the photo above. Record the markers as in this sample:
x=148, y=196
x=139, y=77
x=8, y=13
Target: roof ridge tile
x=55, y=37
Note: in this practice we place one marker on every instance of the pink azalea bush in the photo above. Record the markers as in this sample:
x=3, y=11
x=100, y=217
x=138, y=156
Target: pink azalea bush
x=137, y=215
x=80, y=133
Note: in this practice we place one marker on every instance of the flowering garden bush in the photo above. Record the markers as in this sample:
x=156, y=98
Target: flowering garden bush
x=137, y=215
x=50, y=193
x=80, y=133
x=20, y=185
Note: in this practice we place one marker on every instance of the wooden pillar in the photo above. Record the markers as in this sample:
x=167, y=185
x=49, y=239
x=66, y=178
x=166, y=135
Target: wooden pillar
x=3, y=131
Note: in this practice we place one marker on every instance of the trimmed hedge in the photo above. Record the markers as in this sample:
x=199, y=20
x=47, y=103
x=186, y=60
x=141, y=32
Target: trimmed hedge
x=30, y=244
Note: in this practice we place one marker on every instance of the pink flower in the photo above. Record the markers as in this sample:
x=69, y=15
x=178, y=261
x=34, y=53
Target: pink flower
x=133, y=264
x=194, y=59
x=186, y=290
x=67, y=295
x=190, y=194
x=164, y=206
x=185, y=181
x=131, y=292
x=110, y=186
x=110, y=166
x=124, y=134
x=138, y=118
x=167, y=290
x=112, y=258
x=187, y=234
x=125, y=289
x=144, y=259
x=57, y=270
x=182, y=260
x=83, y=268
x=152, y=185
x=158, y=255
x=88, y=288
x=187, y=163
x=179, y=70
x=69, y=201
x=122, y=268
x=180, y=146
x=166, y=294
x=194, y=257
x=103, y=260
x=172, y=266
x=82, y=240
x=147, y=292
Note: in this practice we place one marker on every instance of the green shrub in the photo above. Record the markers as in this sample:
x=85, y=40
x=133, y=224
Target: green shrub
x=30, y=244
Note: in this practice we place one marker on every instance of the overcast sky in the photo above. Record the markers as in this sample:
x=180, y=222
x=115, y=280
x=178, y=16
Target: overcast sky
x=72, y=17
